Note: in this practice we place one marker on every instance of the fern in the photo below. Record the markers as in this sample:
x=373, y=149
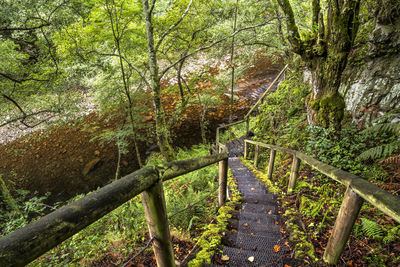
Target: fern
x=388, y=127
x=392, y=160
x=392, y=235
x=372, y=229
x=382, y=151
x=387, y=124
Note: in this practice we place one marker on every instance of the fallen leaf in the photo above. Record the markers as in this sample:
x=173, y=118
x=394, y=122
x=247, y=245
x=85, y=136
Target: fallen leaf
x=225, y=258
x=251, y=259
x=276, y=223
x=277, y=248
x=245, y=224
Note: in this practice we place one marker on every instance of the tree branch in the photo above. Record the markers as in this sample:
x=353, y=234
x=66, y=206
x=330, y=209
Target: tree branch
x=293, y=31
x=173, y=26
x=212, y=44
x=24, y=28
x=19, y=81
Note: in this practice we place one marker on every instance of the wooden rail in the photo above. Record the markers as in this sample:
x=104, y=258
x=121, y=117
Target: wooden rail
x=26, y=244
x=247, y=116
x=357, y=190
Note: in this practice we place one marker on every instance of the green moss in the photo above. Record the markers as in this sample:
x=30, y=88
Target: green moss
x=211, y=238
x=330, y=110
x=302, y=248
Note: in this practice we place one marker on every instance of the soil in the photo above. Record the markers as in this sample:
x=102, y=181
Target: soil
x=54, y=160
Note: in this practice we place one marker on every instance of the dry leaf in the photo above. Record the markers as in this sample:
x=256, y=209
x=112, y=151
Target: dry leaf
x=245, y=224
x=251, y=259
x=225, y=258
x=277, y=248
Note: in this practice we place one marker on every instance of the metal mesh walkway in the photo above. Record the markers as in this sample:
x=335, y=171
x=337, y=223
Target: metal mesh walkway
x=258, y=240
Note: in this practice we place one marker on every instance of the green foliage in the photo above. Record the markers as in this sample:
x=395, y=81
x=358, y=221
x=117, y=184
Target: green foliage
x=16, y=212
x=282, y=117
x=341, y=149
x=387, y=129
x=371, y=228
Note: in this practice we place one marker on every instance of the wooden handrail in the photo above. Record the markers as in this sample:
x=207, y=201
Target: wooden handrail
x=357, y=191
x=381, y=199
x=265, y=93
x=247, y=116
x=26, y=244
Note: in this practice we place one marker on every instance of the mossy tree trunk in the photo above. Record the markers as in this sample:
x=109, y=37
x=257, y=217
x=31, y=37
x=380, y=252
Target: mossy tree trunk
x=162, y=131
x=325, y=52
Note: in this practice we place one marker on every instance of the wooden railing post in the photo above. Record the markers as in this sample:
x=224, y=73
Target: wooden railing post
x=247, y=125
x=246, y=147
x=345, y=220
x=271, y=163
x=256, y=158
x=294, y=173
x=157, y=220
x=222, y=181
x=217, y=139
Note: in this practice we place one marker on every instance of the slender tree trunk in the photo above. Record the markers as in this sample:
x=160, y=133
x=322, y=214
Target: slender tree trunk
x=162, y=132
x=233, y=68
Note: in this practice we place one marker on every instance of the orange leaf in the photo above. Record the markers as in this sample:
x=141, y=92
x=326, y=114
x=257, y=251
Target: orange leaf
x=277, y=248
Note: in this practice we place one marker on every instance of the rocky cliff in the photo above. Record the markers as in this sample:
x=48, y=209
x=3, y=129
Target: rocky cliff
x=371, y=81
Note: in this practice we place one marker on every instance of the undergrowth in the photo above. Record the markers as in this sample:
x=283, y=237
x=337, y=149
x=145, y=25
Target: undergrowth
x=120, y=233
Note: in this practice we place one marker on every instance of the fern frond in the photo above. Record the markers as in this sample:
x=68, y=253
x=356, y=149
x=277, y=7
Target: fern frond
x=393, y=128
x=371, y=228
x=395, y=160
x=390, y=116
x=382, y=151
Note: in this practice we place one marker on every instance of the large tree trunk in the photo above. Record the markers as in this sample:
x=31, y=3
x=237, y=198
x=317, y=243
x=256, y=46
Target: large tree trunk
x=325, y=54
x=162, y=131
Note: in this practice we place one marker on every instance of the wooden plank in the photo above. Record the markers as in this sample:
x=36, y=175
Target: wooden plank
x=345, y=220
x=174, y=169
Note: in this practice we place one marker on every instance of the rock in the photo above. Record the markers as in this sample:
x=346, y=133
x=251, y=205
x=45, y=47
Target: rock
x=91, y=165
x=371, y=85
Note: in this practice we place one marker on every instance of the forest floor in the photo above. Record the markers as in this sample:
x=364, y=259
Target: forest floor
x=53, y=159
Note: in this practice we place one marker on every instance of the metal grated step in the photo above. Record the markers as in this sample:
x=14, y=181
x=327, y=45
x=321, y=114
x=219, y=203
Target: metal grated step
x=258, y=225
x=256, y=243
x=260, y=209
x=240, y=257
x=255, y=217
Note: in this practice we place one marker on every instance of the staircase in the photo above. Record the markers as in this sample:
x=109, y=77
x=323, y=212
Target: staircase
x=258, y=240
